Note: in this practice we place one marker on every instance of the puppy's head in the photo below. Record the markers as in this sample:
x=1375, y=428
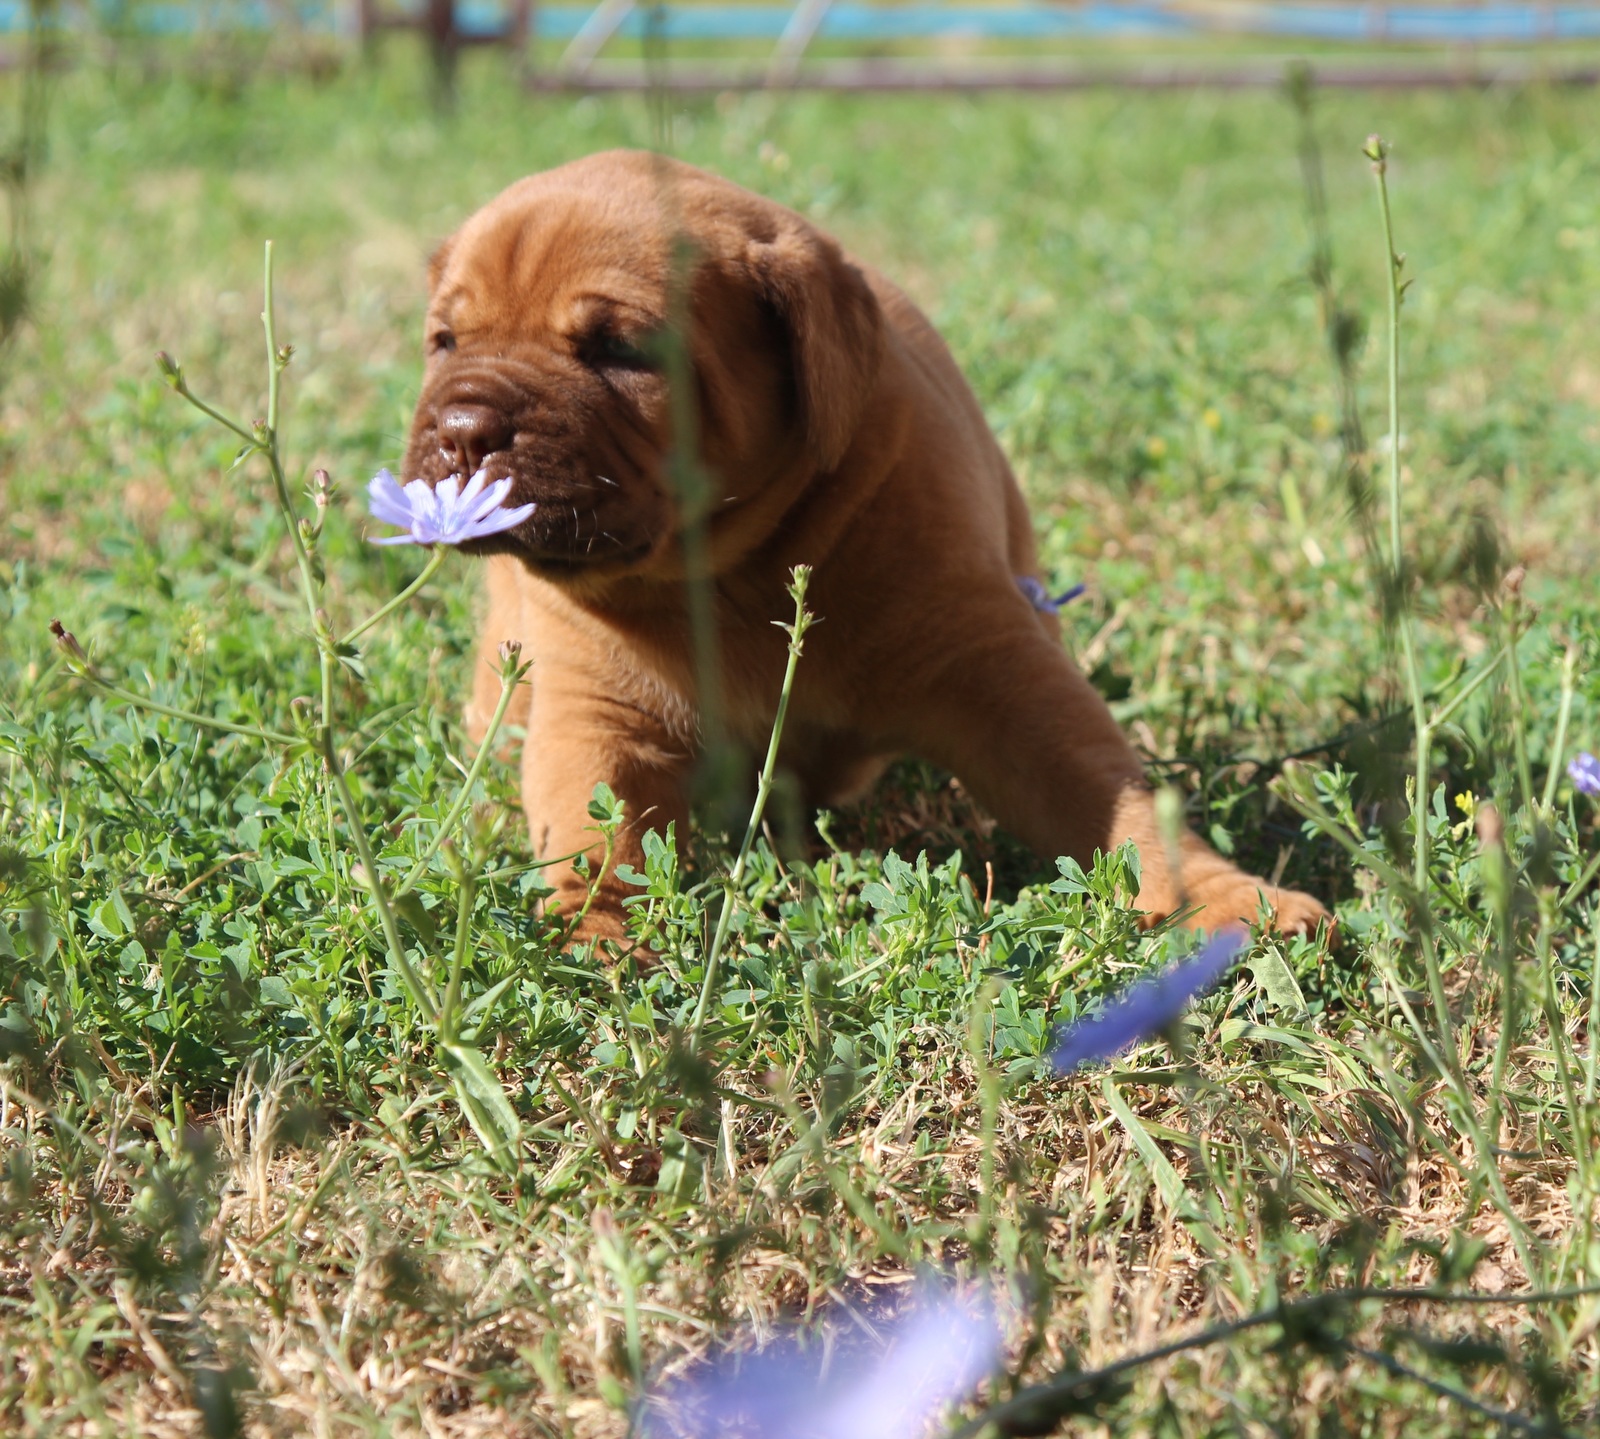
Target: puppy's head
x=551, y=313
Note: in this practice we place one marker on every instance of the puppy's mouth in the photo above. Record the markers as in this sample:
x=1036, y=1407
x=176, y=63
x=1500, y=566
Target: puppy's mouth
x=578, y=524
x=554, y=553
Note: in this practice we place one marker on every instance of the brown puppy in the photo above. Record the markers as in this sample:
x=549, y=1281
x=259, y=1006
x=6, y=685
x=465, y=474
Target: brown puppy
x=837, y=432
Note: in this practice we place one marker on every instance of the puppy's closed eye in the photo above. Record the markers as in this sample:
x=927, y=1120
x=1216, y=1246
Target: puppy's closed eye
x=608, y=349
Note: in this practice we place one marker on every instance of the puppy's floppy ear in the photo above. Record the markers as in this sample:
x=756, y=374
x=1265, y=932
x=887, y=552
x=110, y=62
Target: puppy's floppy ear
x=835, y=330
x=438, y=260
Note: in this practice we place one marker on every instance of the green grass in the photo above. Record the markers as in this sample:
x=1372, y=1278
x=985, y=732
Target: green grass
x=237, y=1186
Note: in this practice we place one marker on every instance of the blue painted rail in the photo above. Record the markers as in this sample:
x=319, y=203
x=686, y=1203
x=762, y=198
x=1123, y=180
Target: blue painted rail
x=855, y=20
x=1354, y=23
x=1005, y=43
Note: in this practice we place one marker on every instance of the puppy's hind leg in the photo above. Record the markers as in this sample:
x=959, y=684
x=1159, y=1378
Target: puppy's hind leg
x=1011, y=715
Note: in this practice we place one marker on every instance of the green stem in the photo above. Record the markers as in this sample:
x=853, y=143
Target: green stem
x=1591, y=1075
x=128, y=697
x=1377, y=152
x=1552, y=776
x=428, y=571
x=1466, y=692
x=815, y=1137
x=1505, y=1418
x=458, y=959
x=797, y=632
x=227, y=423
x=1466, y=1118
x=1582, y=1147
x=508, y=684
x=416, y=986
x=269, y=447
x=1582, y=882
x=1026, y=1403
x=1519, y=720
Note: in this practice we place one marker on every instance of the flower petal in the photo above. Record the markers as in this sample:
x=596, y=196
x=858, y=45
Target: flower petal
x=480, y=477
x=1584, y=772
x=426, y=511
x=1041, y=599
x=492, y=498
x=387, y=501
x=495, y=523
x=1145, y=1008
x=931, y=1354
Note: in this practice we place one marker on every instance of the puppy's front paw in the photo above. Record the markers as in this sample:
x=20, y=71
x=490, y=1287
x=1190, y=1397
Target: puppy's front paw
x=1238, y=901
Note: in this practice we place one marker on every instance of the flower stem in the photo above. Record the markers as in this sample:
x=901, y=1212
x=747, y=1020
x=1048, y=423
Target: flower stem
x=269, y=447
x=458, y=958
x=416, y=986
x=797, y=633
x=509, y=680
x=428, y=571
x=1552, y=777
x=128, y=697
x=1377, y=152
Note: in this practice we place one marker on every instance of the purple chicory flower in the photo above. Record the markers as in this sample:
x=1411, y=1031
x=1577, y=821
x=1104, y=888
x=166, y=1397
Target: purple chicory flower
x=929, y=1356
x=1584, y=772
x=443, y=514
x=1146, y=1007
x=1039, y=597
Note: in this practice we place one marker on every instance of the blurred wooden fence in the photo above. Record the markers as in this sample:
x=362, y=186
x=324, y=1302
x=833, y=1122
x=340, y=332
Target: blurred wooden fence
x=940, y=44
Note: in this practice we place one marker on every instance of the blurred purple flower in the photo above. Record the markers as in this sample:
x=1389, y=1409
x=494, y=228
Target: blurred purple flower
x=1584, y=772
x=1039, y=597
x=444, y=514
x=1146, y=1007
x=841, y=1386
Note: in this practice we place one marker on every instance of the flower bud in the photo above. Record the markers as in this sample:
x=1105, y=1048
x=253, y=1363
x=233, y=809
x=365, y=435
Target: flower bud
x=321, y=489
x=69, y=643
x=1375, y=150
x=171, y=370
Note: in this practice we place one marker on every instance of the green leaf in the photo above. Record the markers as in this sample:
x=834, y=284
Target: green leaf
x=411, y=909
x=476, y=1014
x=1167, y=1179
x=483, y=1101
x=1273, y=974
x=1235, y=1030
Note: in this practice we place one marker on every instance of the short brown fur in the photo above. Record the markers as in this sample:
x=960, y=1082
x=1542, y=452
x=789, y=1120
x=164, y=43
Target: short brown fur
x=836, y=431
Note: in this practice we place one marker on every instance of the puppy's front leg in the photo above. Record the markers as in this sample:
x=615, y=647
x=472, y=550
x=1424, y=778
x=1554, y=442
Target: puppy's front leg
x=1039, y=749
x=576, y=738
x=502, y=621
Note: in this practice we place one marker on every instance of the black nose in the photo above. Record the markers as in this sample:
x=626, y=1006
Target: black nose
x=468, y=434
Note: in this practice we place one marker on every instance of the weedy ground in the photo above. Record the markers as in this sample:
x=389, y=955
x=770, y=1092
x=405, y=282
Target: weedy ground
x=237, y=1189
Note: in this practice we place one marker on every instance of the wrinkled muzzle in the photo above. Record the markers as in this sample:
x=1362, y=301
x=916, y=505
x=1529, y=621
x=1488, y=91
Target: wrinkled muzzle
x=587, y=460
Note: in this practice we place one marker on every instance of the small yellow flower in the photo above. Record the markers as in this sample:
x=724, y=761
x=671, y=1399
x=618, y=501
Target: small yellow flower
x=1155, y=447
x=1211, y=419
x=1467, y=803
